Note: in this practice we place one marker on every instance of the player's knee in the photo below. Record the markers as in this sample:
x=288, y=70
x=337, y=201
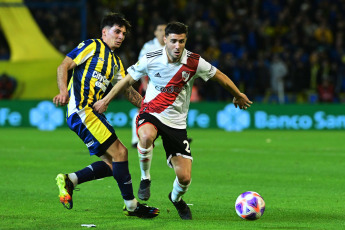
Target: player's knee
x=123, y=152
x=185, y=179
x=146, y=140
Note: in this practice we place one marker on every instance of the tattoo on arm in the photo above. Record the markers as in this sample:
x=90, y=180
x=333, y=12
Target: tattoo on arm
x=133, y=96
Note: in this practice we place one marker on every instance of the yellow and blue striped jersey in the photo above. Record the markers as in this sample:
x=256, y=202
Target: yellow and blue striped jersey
x=98, y=69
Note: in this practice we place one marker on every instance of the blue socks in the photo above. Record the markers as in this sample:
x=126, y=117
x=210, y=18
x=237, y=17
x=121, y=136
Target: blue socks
x=94, y=171
x=100, y=169
x=123, y=178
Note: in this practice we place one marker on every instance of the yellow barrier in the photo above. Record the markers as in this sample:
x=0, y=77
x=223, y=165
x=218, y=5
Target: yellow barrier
x=33, y=59
x=25, y=39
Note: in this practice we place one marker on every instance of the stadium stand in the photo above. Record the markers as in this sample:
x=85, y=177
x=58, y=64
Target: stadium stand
x=241, y=37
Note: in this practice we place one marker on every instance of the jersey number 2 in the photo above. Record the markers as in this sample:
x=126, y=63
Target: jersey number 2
x=187, y=146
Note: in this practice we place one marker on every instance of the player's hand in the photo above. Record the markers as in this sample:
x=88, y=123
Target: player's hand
x=242, y=101
x=61, y=99
x=100, y=106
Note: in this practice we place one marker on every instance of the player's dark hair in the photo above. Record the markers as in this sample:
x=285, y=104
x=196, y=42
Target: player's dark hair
x=112, y=19
x=176, y=28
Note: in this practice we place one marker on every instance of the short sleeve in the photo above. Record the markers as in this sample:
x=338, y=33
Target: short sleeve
x=205, y=70
x=139, y=69
x=83, y=51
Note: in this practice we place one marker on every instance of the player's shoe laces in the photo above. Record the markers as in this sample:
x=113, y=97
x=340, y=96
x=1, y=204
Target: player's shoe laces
x=66, y=188
x=142, y=211
x=144, y=189
x=182, y=209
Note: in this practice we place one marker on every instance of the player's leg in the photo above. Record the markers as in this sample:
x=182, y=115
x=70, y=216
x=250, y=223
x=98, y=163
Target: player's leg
x=183, y=170
x=79, y=123
x=179, y=158
x=68, y=182
x=101, y=140
x=94, y=171
x=119, y=155
x=147, y=133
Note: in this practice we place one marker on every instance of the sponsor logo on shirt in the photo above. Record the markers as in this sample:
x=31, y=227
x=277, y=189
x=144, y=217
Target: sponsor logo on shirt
x=102, y=82
x=141, y=121
x=157, y=75
x=170, y=89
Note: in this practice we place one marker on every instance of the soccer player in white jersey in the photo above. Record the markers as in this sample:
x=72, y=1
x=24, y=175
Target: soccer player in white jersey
x=172, y=71
x=154, y=44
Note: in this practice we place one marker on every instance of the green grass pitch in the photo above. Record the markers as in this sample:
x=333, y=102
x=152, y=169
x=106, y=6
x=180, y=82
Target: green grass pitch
x=300, y=175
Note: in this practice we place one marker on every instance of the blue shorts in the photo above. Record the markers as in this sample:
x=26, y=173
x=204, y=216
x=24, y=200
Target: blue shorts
x=94, y=130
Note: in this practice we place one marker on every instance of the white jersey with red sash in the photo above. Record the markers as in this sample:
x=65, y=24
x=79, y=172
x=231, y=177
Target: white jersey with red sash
x=170, y=86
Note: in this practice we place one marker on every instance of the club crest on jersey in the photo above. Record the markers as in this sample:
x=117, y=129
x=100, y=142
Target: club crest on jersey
x=115, y=69
x=81, y=45
x=185, y=75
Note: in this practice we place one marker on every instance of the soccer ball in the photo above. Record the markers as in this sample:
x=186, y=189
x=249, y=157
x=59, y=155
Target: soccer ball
x=250, y=206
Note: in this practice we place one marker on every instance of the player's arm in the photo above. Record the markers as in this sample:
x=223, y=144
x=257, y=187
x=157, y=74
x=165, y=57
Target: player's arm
x=102, y=105
x=133, y=96
x=240, y=99
x=62, y=75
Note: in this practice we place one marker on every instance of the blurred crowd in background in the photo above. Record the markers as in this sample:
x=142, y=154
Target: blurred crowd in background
x=276, y=51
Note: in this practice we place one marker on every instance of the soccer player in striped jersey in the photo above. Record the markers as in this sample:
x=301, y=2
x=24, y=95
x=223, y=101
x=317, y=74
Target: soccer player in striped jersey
x=172, y=71
x=96, y=68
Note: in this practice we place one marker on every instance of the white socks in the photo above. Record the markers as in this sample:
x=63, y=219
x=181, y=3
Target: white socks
x=73, y=177
x=131, y=205
x=145, y=158
x=178, y=190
